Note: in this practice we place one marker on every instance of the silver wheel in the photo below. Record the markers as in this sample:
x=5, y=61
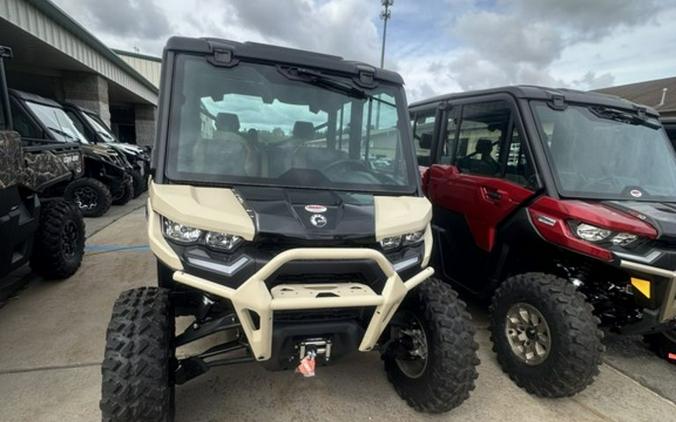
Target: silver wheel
x=528, y=333
x=413, y=361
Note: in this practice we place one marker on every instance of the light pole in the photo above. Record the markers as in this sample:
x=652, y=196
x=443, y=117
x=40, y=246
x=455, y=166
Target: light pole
x=385, y=15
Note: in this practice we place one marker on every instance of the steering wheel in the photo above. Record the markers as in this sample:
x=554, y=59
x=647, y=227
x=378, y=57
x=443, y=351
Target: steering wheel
x=349, y=164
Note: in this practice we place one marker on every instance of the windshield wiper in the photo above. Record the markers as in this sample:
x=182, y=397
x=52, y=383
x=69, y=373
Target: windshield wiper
x=322, y=80
x=623, y=116
x=61, y=132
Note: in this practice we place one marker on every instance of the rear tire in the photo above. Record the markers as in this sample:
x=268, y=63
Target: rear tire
x=59, y=242
x=447, y=375
x=140, y=183
x=126, y=194
x=139, y=362
x=663, y=344
x=572, y=344
x=90, y=195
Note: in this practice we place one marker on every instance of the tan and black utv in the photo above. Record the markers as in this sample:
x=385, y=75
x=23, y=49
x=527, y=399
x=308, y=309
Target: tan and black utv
x=286, y=214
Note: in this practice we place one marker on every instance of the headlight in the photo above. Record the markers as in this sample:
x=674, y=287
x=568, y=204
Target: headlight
x=598, y=235
x=222, y=241
x=180, y=233
x=415, y=237
x=623, y=239
x=393, y=242
x=390, y=242
x=591, y=233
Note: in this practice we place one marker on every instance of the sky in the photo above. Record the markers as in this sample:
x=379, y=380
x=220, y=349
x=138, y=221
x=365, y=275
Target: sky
x=438, y=46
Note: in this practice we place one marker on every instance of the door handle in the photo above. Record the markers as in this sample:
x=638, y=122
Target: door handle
x=492, y=194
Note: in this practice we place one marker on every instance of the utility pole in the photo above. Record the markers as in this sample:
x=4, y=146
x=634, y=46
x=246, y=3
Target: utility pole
x=385, y=15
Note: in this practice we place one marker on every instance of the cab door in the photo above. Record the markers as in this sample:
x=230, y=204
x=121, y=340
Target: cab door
x=482, y=174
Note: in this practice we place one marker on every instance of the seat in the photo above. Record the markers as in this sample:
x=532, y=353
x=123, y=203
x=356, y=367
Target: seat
x=312, y=157
x=227, y=152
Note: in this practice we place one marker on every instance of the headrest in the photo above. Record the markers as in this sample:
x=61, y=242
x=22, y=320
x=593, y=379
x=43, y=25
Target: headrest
x=303, y=130
x=227, y=122
x=484, y=146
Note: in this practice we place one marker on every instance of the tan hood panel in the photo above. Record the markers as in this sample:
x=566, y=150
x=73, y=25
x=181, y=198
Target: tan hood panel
x=215, y=209
x=397, y=215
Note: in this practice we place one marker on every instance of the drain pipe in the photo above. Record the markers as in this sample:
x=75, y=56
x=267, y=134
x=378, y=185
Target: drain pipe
x=664, y=98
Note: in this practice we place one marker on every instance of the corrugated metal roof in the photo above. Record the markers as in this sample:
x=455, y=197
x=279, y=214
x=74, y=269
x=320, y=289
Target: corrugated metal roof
x=46, y=21
x=648, y=93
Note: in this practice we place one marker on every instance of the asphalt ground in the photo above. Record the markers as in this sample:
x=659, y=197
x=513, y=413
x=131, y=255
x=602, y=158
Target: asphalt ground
x=52, y=339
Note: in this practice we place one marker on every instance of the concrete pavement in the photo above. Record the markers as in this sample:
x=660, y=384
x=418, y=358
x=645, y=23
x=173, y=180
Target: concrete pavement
x=52, y=340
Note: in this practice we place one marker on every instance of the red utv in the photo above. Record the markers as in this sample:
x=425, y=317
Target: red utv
x=561, y=206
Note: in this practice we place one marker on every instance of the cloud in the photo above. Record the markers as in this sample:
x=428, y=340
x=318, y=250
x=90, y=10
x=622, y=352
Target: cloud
x=134, y=18
x=520, y=41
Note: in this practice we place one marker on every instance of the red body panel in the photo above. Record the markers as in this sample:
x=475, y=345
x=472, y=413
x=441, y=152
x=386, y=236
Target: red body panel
x=483, y=201
x=550, y=218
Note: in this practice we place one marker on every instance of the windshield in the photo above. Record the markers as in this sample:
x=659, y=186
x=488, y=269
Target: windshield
x=57, y=122
x=254, y=124
x=603, y=153
x=100, y=128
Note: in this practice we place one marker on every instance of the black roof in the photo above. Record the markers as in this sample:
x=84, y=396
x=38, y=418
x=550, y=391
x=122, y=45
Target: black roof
x=291, y=56
x=27, y=96
x=542, y=93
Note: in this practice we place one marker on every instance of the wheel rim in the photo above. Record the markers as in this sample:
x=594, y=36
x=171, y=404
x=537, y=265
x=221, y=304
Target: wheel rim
x=412, y=341
x=86, y=198
x=528, y=333
x=70, y=239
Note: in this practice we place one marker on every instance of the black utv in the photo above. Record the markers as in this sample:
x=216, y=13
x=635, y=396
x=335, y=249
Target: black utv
x=287, y=218
x=48, y=234
x=107, y=179
x=97, y=132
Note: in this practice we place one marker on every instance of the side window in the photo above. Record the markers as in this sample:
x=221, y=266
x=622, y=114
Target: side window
x=448, y=141
x=482, y=131
x=423, y=131
x=23, y=123
x=519, y=169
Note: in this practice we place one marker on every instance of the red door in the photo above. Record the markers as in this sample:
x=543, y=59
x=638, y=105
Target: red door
x=483, y=201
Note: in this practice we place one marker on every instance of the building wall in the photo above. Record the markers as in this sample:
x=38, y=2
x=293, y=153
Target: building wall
x=149, y=67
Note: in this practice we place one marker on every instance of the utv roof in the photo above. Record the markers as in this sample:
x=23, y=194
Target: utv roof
x=275, y=54
x=80, y=108
x=27, y=96
x=544, y=93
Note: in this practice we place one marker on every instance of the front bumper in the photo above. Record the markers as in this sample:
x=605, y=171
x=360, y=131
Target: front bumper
x=663, y=293
x=254, y=296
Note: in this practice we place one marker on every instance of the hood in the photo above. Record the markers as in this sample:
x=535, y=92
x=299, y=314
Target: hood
x=660, y=215
x=129, y=148
x=284, y=213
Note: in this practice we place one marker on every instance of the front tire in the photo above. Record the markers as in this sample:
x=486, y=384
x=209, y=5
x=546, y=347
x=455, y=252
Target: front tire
x=139, y=360
x=663, y=344
x=59, y=242
x=432, y=366
x=90, y=195
x=125, y=195
x=545, y=335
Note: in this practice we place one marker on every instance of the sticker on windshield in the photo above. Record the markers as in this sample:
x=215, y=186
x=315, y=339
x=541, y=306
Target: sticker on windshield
x=636, y=193
x=315, y=208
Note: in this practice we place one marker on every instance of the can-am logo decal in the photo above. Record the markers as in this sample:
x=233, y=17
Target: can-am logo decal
x=318, y=220
x=636, y=193
x=315, y=208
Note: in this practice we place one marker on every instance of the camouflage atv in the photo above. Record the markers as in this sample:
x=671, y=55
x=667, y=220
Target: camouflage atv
x=48, y=234
x=107, y=173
